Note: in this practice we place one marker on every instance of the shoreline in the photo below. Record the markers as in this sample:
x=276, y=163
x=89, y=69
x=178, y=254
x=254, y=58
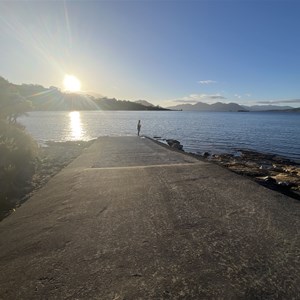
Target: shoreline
x=52, y=158
x=270, y=170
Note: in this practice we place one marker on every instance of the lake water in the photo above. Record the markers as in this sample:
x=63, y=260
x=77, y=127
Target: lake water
x=215, y=132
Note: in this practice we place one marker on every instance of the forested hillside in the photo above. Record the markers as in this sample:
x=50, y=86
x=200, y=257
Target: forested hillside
x=53, y=99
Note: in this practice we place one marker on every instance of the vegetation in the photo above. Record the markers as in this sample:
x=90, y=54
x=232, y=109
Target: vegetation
x=114, y=104
x=17, y=148
x=52, y=99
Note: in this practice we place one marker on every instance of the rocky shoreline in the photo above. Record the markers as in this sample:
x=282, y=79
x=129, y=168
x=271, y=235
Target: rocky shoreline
x=272, y=171
x=52, y=158
x=269, y=170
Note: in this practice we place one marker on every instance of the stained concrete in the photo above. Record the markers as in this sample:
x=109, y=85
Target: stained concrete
x=130, y=219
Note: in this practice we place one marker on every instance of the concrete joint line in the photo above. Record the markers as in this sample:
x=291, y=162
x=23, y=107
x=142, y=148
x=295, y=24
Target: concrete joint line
x=145, y=167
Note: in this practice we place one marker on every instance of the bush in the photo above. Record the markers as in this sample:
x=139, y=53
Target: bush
x=17, y=162
x=17, y=149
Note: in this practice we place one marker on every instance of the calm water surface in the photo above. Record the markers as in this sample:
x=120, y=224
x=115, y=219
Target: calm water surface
x=277, y=133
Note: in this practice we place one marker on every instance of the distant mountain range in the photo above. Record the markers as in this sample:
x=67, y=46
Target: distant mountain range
x=200, y=106
x=266, y=107
x=228, y=107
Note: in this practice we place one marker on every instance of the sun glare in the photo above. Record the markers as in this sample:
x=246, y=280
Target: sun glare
x=75, y=125
x=72, y=83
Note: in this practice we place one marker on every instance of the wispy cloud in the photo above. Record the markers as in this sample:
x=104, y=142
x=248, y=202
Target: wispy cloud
x=194, y=98
x=240, y=96
x=279, y=101
x=216, y=97
x=186, y=101
x=206, y=81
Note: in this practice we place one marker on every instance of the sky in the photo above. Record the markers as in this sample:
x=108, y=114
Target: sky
x=165, y=52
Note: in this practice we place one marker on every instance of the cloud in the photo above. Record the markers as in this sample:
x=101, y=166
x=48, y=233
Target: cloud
x=239, y=96
x=194, y=98
x=203, y=97
x=206, y=81
x=216, y=97
x=279, y=101
x=186, y=101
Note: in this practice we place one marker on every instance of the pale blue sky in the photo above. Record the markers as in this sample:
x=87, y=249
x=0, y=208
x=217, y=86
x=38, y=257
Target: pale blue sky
x=229, y=51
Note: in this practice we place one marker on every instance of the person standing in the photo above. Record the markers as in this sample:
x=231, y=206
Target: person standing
x=139, y=127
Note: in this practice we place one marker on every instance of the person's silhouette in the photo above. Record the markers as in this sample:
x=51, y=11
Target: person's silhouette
x=139, y=127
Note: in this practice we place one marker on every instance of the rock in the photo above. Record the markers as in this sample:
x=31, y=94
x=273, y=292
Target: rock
x=171, y=142
x=291, y=170
x=177, y=146
x=268, y=179
x=174, y=144
x=205, y=154
x=286, y=184
x=269, y=170
x=266, y=166
x=276, y=168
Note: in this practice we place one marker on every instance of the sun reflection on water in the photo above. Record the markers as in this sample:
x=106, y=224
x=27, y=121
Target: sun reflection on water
x=75, y=126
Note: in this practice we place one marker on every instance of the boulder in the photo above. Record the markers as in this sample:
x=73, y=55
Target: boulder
x=268, y=179
x=286, y=184
x=205, y=154
x=174, y=144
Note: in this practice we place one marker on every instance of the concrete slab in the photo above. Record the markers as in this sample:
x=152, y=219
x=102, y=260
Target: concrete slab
x=130, y=219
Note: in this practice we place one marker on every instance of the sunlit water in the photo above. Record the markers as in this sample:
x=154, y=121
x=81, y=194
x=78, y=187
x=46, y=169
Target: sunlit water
x=277, y=133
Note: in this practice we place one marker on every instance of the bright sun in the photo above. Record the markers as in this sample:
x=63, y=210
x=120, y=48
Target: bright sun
x=71, y=83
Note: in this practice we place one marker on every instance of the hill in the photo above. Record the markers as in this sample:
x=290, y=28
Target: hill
x=266, y=107
x=53, y=99
x=289, y=110
x=114, y=104
x=145, y=103
x=200, y=106
x=230, y=107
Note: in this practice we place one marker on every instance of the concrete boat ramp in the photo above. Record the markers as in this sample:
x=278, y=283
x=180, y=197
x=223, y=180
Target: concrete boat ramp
x=130, y=219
